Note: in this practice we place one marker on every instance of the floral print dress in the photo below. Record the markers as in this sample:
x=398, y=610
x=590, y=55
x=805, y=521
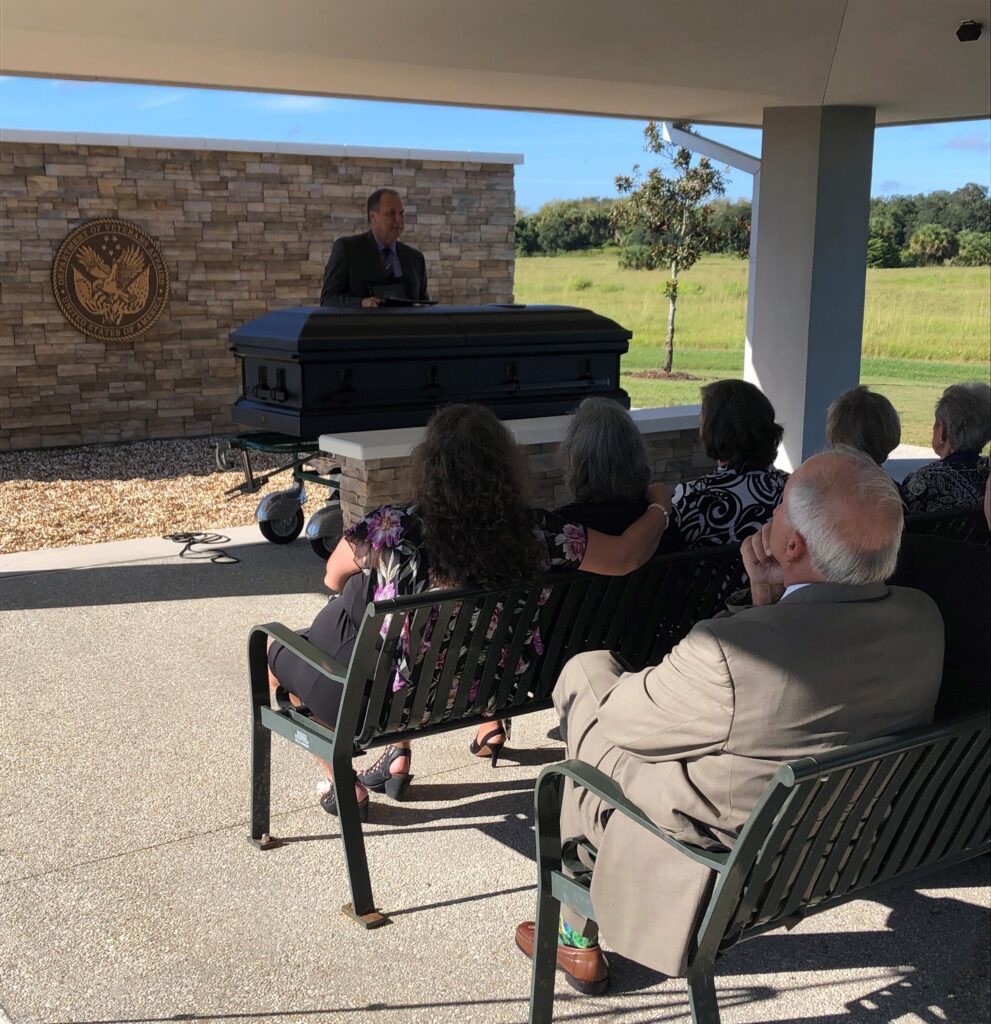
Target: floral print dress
x=388, y=545
x=955, y=482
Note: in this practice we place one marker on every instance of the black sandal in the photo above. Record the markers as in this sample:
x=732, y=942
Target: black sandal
x=329, y=803
x=492, y=747
x=380, y=779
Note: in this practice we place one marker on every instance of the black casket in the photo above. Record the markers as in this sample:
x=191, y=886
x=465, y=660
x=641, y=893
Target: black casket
x=317, y=370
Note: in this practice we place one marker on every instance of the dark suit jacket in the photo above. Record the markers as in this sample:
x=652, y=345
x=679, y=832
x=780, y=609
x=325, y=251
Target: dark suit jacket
x=355, y=264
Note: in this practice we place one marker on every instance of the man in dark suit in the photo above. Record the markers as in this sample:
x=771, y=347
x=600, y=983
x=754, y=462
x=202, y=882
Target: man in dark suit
x=364, y=268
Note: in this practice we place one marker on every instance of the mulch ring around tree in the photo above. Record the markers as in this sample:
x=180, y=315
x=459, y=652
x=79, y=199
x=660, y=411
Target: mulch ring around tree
x=663, y=375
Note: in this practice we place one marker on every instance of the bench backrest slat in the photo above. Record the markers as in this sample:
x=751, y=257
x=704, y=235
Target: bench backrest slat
x=930, y=811
x=523, y=614
x=491, y=673
x=487, y=606
x=967, y=820
x=840, y=825
x=558, y=641
x=914, y=794
x=964, y=524
x=455, y=670
x=811, y=831
x=844, y=805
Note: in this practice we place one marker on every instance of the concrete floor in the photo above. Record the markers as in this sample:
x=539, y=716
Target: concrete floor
x=129, y=891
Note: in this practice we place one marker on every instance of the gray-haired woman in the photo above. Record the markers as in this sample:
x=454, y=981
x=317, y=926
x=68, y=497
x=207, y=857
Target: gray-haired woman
x=606, y=471
x=961, y=429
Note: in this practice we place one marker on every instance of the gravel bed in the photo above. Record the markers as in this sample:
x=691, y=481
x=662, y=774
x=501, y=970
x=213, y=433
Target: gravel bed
x=58, y=497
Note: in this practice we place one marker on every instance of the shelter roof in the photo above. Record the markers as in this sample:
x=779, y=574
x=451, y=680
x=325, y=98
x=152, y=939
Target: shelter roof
x=720, y=62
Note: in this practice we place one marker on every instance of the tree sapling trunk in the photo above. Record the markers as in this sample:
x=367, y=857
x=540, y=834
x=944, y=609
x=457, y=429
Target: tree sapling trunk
x=672, y=290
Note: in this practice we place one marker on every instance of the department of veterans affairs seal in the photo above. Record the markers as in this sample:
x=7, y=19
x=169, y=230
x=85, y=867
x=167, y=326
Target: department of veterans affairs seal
x=110, y=279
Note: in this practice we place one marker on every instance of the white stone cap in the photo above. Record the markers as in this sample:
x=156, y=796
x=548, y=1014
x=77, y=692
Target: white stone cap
x=253, y=146
x=364, y=445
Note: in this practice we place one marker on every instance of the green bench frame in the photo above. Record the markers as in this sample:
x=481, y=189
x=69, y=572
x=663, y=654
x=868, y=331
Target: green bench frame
x=640, y=616
x=964, y=524
x=826, y=830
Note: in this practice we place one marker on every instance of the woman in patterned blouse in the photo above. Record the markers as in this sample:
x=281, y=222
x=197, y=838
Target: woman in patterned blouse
x=738, y=431
x=962, y=427
x=469, y=523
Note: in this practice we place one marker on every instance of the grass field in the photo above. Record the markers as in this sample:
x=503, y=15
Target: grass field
x=924, y=328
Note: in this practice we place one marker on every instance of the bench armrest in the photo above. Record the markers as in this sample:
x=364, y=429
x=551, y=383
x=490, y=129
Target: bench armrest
x=303, y=649
x=608, y=790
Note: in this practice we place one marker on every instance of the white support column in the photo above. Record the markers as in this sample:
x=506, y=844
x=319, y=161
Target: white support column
x=807, y=276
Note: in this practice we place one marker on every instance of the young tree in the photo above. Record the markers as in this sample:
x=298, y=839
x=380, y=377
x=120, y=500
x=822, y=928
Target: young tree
x=670, y=215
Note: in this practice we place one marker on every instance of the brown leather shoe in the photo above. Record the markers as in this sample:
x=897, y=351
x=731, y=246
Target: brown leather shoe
x=584, y=969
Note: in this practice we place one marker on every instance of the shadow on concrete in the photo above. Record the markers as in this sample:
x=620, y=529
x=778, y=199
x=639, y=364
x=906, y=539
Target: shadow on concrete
x=530, y=758
x=661, y=1007
x=931, y=983
x=260, y=569
x=511, y=804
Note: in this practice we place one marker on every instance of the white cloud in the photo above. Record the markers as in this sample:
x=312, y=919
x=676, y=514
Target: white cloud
x=165, y=99
x=292, y=103
x=974, y=142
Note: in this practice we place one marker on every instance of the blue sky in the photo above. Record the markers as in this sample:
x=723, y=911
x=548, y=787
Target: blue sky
x=566, y=156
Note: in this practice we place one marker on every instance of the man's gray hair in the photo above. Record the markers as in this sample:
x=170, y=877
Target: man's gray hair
x=603, y=454
x=965, y=412
x=864, y=420
x=835, y=550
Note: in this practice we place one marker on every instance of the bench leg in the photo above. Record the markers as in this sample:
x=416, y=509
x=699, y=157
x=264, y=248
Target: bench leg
x=362, y=905
x=542, y=972
x=547, y=814
x=702, y=994
x=261, y=748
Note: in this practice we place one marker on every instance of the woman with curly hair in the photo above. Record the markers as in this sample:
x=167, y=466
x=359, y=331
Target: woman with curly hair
x=469, y=522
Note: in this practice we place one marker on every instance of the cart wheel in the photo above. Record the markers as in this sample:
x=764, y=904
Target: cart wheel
x=282, y=531
x=323, y=546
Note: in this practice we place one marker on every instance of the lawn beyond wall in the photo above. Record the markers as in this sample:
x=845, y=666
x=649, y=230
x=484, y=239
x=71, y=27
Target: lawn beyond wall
x=243, y=229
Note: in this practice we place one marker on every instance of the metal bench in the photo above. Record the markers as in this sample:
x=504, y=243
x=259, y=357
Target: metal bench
x=640, y=616
x=827, y=829
x=966, y=524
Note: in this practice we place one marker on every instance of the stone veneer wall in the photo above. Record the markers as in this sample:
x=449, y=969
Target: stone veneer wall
x=365, y=484
x=241, y=233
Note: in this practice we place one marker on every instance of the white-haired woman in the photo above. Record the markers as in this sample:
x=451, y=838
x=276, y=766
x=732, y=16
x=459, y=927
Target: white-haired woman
x=962, y=427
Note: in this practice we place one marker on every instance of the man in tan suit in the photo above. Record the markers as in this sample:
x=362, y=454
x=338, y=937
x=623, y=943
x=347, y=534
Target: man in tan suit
x=821, y=654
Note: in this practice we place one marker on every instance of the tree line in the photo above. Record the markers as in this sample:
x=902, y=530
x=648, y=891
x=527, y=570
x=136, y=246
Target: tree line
x=925, y=229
